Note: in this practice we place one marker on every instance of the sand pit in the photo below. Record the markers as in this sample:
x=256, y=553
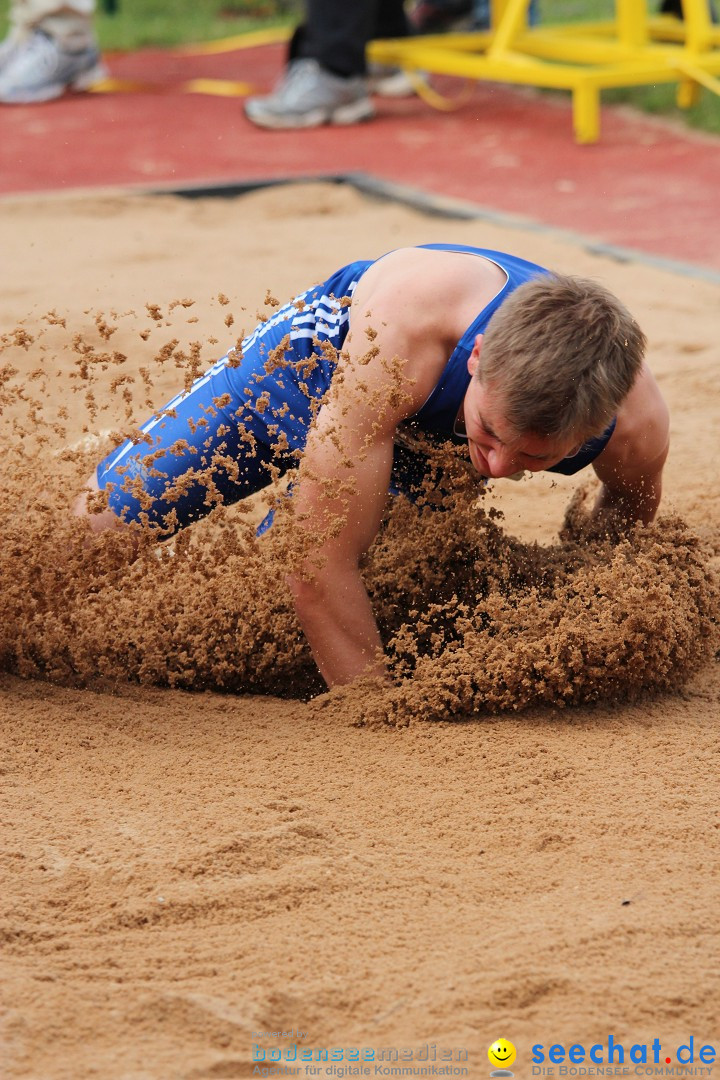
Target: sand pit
x=187, y=870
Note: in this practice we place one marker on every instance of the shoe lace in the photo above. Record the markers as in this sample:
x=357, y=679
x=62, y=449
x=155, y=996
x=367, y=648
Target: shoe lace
x=40, y=42
x=38, y=50
x=298, y=75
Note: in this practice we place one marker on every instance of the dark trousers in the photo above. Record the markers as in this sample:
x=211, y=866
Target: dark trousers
x=336, y=32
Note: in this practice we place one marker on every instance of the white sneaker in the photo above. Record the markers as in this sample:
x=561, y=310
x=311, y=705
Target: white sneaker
x=7, y=47
x=389, y=81
x=36, y=68
x=309, y=96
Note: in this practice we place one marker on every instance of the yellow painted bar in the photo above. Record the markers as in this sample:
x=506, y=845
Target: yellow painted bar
x=510, y=67
x=666, y=28
x=702, y=76
x=631, y=16
x=696, y=16
x=654, y=65
x=497, y=12
x=510, y=26
x=586, y=113
x=590, y=50
x=688, y=94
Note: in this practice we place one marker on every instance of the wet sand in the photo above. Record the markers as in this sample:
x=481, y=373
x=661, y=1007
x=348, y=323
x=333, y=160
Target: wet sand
x=184, y=868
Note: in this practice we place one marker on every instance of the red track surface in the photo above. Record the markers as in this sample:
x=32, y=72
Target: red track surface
x=645, y=185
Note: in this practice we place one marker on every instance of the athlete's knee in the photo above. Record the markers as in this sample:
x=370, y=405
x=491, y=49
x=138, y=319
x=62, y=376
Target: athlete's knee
x=97, y=521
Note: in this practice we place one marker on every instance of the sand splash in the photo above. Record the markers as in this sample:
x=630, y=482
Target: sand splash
x=473, y=619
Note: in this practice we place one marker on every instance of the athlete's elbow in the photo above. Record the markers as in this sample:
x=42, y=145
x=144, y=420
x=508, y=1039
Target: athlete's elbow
x=307, y=592
x=315, y=590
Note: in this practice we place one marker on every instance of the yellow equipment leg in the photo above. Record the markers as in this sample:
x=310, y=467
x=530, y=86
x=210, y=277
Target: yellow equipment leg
x=586, y=113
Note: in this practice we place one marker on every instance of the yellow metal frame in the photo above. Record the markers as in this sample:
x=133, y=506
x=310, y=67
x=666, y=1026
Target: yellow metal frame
x=633, y=49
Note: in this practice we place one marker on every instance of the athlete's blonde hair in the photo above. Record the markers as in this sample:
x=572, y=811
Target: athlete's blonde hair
x=563, y=353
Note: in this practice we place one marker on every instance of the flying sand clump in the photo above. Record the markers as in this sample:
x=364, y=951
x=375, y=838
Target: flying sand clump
x=473, y=619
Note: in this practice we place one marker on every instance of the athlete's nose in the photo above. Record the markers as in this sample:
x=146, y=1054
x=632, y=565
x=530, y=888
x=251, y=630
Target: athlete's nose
x=501, y=462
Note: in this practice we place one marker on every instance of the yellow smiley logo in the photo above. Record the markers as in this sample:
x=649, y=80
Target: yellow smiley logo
x=501, y=1054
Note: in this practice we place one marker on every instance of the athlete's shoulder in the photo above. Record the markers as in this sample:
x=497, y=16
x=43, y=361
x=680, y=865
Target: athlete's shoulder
x=642, y=431
x=424, y=282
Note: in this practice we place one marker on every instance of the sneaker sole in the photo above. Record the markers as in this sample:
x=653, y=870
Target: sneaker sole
x=51, y=91
x=398, y=85
x=354, y=113
x=89, y=78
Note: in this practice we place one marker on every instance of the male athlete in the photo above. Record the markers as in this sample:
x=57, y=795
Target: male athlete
x=533, y=370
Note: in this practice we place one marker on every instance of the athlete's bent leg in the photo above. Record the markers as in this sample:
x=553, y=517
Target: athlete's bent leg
x=100, y=521
x=207, y=447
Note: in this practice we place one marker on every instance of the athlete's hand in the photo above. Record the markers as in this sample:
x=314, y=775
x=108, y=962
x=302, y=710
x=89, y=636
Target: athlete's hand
x=584, y=524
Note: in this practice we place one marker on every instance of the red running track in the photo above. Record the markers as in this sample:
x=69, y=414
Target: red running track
x=647, y=185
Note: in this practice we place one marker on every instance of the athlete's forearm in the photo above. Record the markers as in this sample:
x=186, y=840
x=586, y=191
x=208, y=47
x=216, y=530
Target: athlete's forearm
x=638, y=503
x=337, y=618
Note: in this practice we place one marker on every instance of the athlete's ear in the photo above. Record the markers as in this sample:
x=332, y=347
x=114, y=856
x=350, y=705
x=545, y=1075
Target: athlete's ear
x=474, y=358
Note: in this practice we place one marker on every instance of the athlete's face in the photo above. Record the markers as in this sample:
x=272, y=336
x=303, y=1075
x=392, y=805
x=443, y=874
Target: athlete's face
x=495, y=450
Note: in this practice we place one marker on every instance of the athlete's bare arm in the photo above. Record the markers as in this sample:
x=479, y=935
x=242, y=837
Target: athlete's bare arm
x=401, y=336
x=340, y=497
x=348, y=503
x=631, y=465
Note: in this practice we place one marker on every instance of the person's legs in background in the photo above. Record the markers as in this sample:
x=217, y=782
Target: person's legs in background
x=51, y=48
x=326, y=78
x=438, y=16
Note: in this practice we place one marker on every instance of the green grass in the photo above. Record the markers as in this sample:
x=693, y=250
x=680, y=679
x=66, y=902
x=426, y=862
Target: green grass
x=660, y=100
x=142, y=23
